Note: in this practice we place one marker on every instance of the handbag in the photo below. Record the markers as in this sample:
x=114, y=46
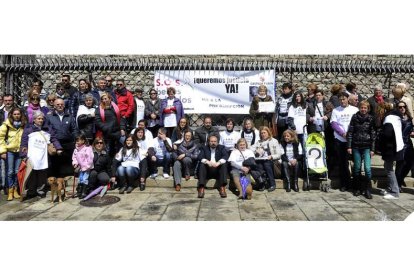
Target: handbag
x=277, y=169
x=51, y=150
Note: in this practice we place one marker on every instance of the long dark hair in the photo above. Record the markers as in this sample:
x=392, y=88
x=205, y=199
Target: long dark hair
x=302, y=100
x=135, y=147
x=23, y=116
x=136, y=131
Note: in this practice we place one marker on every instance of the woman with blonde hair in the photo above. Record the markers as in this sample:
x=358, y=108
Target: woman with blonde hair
x=237, y=158
x=109, y=123
x=266, y=151
x=292, y=154
x=261, y=118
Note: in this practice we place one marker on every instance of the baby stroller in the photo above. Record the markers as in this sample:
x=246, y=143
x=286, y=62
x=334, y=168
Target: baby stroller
x=315, y=156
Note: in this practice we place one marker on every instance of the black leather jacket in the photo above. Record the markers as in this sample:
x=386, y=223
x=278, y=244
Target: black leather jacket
x=361, y=132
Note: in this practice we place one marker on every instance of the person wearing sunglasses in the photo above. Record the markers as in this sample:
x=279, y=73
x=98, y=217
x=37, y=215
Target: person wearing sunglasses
x=391, y=145
x=102, y=172
x=404, y=166
x=152, y=112
x=34, y=104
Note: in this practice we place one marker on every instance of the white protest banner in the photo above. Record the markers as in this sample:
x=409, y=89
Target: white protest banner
x=214, y=92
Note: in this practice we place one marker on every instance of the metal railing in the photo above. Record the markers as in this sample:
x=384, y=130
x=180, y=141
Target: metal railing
x=18, y=72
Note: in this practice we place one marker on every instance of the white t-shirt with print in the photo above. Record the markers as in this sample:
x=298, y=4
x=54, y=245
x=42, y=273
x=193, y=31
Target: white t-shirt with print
x=343, y=117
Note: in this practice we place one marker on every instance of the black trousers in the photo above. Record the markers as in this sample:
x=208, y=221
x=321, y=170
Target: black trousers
x=98, y=179
x=344, y=174
x=37, y=179
x=206, y=172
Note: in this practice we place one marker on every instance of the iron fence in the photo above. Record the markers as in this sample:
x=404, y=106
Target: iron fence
x=18, y=72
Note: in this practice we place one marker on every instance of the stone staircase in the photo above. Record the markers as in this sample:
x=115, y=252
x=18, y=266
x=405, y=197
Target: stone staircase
x=379, y=179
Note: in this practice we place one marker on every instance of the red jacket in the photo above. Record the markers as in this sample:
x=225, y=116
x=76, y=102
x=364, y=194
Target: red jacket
x=125, y=102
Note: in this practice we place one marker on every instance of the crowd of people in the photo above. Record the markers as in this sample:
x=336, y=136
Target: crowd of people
x=109, y=135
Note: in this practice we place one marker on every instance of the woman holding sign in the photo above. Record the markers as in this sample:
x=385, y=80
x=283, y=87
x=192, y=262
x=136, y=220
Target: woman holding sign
x=171, y=111
x=260, y=107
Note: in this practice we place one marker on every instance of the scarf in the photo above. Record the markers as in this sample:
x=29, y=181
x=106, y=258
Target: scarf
x=379, y=99
x=395, y=121
x=17, y=124
x=30, y=109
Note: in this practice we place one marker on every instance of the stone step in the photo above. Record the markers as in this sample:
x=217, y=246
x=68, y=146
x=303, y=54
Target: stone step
x=159, y=181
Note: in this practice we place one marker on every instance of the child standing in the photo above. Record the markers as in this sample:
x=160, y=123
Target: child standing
x=361, y=141
x=82, y=160
x=291, y=155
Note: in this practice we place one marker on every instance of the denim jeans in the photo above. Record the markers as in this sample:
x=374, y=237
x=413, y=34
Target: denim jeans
x=84, y=177
x=13, y=163
x=127, y=175
x=359, y=156
x=392, y=179
x=165, y=163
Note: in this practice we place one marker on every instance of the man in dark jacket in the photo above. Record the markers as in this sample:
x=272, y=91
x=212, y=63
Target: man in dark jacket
x=68, y=87
x=213, y=164
x=97, y=92
x=64, y=127
x=201, y=133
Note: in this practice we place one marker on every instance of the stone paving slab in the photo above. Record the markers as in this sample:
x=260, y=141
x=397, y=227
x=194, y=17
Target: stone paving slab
x=164, y=203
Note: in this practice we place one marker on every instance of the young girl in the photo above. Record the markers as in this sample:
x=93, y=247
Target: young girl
x=130, y=157
x=82, y=159
x=361, y=139
x=291, y=155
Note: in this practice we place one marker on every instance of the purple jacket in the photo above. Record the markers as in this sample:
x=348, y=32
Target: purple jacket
x=178, y=105
x=32, y=128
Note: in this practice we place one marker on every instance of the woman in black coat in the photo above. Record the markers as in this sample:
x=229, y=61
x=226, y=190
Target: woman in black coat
x=404, y=166
x=102, y=172
x=391, y=146
x=361, y=143
x=109, y=124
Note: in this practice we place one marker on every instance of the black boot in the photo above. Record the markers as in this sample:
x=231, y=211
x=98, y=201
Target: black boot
x=84, y=191
x=356, y=185
x=287, y=175
x=368, y=189
x=295, y=185
x=295, y=178
x=79, y=190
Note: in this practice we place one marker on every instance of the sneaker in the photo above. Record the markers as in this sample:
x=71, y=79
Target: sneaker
x=383, y=192
x=390, y=196
x=153, y=176
x=166, y=175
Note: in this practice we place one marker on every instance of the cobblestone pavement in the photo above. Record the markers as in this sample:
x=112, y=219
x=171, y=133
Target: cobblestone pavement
x=165, y=204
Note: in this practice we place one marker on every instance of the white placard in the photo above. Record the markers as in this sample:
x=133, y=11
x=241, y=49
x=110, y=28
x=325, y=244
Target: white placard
x=267, y=107
x=215, y=92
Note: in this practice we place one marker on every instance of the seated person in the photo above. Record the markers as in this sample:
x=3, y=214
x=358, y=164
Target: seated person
x=212, y=160
x=185, y=157
x=161, y=154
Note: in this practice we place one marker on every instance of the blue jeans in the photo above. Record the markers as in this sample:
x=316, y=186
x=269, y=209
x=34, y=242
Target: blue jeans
x=392, y=179
x=359, y=156
x=127, y=175
x=165, y=163
x=13, y=163
x=84, y=177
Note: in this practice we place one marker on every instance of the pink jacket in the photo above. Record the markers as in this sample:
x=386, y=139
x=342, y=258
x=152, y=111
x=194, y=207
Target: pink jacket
x=83, y=156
